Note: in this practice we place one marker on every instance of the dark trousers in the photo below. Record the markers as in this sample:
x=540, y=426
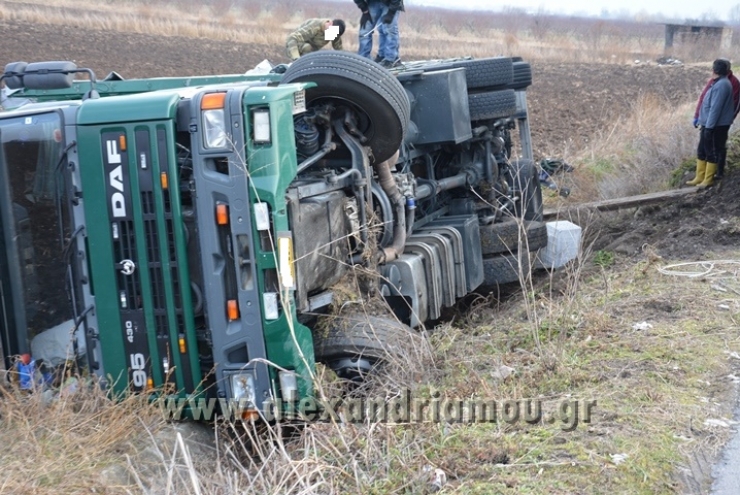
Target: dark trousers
x=721, y=163
x=712, y=144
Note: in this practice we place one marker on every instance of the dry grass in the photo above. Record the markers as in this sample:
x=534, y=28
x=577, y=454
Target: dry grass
x=65, y=444
x=638, y=153
x=653, y=394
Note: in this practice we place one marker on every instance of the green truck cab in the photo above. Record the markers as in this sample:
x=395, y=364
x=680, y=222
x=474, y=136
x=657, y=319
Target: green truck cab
x=186, y=234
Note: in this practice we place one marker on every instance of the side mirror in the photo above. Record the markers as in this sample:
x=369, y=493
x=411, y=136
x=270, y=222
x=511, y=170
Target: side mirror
x=13, y=75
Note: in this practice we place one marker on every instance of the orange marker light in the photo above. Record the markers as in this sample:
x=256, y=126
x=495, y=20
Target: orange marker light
x=213, y=101
x=250, y=415
x=122, y=142
x=150, y=384
x=222, y=214
x=232, y=310
x=181, y=342
x=164, y=180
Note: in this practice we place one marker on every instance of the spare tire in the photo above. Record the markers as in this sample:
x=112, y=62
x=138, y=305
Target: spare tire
x=373, y=92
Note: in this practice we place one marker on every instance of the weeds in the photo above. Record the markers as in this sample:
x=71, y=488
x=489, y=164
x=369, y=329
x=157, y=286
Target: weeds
x=646, y=151
x=583, y=345
x=604, y=259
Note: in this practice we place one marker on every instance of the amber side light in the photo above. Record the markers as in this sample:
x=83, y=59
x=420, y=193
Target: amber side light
x=232, y=310
x=213, y=101
x=222, y=214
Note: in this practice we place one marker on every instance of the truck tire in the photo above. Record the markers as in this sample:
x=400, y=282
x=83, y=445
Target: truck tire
x=522, y=75
x=378, y=97
x=353, y=346
x=480, y=74
x=504, y=237
x=492, y=105
x=487, y=73
x=504, y=269
x=524, y=179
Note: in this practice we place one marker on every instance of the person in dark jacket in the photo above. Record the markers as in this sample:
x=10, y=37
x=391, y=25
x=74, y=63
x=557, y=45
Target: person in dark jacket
x=736, y=101
x=715, y=117
x=380, y=15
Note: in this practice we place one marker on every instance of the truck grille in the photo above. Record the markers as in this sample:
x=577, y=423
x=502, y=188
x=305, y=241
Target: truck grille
x=156, y=277
x=145, y=230
x=125, y=250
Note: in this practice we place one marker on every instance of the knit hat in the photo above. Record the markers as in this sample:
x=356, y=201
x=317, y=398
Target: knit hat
x=721, y=67
x=339, y=23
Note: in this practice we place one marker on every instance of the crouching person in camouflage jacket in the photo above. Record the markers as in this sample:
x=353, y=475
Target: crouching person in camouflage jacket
x=313, y=35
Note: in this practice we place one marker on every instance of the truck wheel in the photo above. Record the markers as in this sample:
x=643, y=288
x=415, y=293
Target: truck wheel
x=353, y=346
x=380, y=101
x=504, y=237
x=487, y=72
x=482, y=73
x=492, y=105
x=504, y=268
x=522, y=75
x=525, y=182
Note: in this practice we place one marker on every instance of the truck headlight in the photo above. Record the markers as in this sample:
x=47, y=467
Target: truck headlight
x=214, y=120
x=242, y=388
x=261, y=126
x=214, y=123
x=288, y=385
x=262, y=216
x=270, y=300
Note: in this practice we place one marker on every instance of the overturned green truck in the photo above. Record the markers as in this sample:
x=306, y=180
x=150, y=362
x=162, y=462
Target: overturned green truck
x=186, y=235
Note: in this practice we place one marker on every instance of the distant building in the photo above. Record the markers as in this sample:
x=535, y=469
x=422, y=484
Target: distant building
x=714, y=37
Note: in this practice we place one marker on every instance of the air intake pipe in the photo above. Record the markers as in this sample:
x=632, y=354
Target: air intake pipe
x=389, y=186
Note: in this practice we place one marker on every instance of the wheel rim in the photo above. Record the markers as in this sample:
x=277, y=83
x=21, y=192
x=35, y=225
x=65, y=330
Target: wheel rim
x=352, y=368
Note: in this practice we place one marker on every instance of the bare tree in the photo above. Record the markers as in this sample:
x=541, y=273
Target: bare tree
x=541, y=24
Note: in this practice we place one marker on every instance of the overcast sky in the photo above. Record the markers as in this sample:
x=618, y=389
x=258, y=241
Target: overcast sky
x=681, y=9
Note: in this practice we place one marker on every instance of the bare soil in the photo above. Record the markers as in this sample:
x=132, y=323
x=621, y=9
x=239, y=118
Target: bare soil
x=698, y=227
x=567, y=102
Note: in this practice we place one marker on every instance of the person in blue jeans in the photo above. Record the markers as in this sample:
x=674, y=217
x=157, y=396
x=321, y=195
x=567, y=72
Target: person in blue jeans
x=381, y=16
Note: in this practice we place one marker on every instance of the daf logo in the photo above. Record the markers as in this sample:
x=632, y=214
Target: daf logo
x=128, y=267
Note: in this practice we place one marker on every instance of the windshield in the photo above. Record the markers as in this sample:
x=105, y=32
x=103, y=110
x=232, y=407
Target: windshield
x=33, y=225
